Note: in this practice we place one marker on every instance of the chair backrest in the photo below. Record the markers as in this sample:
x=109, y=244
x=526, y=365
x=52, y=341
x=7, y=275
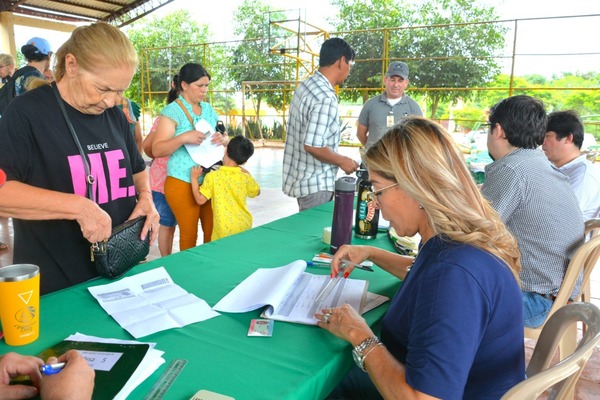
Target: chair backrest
x=583, y=261
x=592, y=227
x=562, y=376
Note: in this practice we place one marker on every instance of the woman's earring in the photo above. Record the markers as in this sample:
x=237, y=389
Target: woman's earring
x=420, y=206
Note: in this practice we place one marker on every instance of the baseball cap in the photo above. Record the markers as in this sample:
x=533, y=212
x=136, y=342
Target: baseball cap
x=42, y=45
x=398, y=68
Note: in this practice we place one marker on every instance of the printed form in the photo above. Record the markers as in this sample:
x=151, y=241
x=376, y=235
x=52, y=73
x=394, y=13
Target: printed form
x=150, y=302
x=289, y=294
x=205, y=153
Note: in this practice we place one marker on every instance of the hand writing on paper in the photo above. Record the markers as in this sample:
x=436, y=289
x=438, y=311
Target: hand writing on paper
x=356, y=254
x=75, y=381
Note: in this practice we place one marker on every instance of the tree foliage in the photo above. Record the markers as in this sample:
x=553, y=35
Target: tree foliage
x=251, y=60
x=164, y=50
x=366, y=19
x=562, y=92
x=451, y=54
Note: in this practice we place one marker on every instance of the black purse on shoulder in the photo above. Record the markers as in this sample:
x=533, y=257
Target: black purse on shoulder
x=124, y=249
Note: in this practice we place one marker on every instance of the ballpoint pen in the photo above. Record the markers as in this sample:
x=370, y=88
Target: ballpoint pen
x=349, y=263
x=329, y=257
x=317, y=264
x=51, y=369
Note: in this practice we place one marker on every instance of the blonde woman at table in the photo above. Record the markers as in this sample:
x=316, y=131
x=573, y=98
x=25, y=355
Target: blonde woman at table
x=454, y=329
x=176, y=128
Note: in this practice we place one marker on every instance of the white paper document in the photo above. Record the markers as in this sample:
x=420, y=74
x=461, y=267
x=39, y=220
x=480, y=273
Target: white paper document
x=150, y=363
x=289, y=294
x=205, y=153
x=150, y=302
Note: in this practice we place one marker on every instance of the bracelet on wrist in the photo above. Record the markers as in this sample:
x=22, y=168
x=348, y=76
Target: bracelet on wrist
x=145, y=191
x=369, y=350
x=360, y=352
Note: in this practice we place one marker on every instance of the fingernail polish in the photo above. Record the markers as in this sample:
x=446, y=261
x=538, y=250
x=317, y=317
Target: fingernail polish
x=346, y=274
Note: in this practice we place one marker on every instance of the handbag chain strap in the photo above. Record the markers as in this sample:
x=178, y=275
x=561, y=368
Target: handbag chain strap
x=89, y=179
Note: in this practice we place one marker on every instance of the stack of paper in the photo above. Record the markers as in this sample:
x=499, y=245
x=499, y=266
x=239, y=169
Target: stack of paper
x=289, y=294
x=150, y=302
x=120, y=365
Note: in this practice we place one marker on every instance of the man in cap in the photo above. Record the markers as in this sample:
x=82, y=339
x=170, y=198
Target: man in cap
x=37, y=52
x=383, y=111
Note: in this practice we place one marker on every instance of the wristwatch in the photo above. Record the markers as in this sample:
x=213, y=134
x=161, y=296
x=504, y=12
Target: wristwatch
x=360, y=352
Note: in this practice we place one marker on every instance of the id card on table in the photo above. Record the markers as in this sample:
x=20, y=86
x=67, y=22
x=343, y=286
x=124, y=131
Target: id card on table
x=261, y=327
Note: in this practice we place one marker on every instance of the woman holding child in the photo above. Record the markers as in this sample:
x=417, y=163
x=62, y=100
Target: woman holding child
x=454, y=329
x=176, y=128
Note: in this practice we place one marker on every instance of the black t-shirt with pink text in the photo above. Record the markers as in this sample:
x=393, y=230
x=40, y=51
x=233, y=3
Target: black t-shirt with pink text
x=36, y=148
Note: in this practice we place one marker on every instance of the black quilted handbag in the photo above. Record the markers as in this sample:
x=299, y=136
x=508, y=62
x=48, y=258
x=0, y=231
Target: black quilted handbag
x=122, y=250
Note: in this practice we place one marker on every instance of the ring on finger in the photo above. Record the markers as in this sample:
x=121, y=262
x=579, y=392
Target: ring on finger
x=326, y=318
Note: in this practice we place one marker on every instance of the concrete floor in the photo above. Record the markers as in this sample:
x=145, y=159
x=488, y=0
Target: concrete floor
x=272, y=204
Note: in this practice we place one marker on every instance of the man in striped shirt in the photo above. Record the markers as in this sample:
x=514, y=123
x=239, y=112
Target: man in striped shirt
x=534, y=199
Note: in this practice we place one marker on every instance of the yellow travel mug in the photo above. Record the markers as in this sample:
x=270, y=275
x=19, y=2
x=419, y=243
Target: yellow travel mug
x=20, y=303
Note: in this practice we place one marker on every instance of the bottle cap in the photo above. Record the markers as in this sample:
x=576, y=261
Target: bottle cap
x=345, y=184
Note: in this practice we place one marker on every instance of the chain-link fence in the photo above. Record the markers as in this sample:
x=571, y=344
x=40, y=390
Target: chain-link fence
x=457, y=70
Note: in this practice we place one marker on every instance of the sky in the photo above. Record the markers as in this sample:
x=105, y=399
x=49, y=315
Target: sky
x=550, y=36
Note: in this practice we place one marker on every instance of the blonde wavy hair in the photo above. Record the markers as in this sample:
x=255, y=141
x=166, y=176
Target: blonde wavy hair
x=96, y=45
x=422, y=158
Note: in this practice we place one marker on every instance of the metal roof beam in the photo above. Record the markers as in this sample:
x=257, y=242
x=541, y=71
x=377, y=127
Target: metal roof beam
x=135, y=11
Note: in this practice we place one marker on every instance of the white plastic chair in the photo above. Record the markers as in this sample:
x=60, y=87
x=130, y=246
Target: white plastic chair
x=561, y=377
x=583, y=262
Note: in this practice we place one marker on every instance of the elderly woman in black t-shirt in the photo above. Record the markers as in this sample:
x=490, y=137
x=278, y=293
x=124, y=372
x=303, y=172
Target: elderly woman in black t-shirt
x=46, y=190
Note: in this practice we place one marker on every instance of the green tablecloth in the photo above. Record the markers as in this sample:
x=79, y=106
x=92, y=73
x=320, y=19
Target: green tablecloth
x=297, y=362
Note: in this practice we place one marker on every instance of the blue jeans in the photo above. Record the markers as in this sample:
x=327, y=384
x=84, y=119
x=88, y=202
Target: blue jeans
x=535, y=309
x=166, y=215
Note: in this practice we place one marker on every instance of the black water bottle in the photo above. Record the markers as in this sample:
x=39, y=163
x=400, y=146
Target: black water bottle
x=367, y=216
x=341, y=226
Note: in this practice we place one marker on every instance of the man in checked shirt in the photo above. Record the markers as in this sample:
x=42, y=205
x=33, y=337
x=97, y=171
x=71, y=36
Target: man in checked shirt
x=311, y=159
x=535, y=201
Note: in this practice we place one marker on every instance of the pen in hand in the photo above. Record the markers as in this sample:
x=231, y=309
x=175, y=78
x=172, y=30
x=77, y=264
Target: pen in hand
x=51, y=369
x=344, y=263
x=349, y=263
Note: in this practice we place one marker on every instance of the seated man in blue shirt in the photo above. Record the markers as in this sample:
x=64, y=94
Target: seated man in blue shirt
x=534, y=200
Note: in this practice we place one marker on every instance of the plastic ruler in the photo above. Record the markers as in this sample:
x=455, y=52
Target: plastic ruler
x=165, y=381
